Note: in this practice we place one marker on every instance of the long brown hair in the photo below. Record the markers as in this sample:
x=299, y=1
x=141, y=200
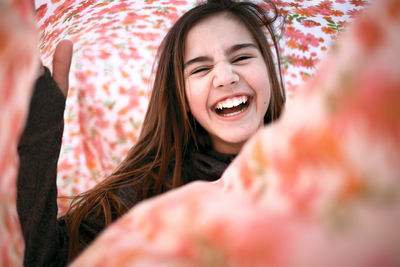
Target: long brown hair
x=169, y=132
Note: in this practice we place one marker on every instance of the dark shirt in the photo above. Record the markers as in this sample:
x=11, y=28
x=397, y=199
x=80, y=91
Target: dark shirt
x=45, y=235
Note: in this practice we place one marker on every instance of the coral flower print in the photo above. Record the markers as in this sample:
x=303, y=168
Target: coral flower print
x=358, y=2
x=328, y=30
x=18, y=61
x=322, y=19
x=320, y=185
x=41, y=11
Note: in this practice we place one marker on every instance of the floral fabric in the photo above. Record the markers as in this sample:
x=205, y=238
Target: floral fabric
x=340, y=194
x=17, y=40
x=114, y=46
x=318, y=188
x=310, y=29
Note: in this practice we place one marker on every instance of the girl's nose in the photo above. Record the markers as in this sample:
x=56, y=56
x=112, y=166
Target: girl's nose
x=224, y=75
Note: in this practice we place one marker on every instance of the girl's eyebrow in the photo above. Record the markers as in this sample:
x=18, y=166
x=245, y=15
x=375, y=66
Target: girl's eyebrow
x=230, y=51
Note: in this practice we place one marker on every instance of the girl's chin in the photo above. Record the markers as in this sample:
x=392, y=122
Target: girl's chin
x=230, y=144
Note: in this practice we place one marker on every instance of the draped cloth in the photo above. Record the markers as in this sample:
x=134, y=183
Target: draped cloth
x=18, y=66
x=321, y=185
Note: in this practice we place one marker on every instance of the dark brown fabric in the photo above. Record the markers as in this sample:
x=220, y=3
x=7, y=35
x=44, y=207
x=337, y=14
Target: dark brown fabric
x=38, y=150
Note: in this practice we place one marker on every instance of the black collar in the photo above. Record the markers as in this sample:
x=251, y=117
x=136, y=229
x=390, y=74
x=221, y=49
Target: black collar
x=205, y=165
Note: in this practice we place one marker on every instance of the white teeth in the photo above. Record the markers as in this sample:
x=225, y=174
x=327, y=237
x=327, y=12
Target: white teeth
x=232, y=114
x=232, y=102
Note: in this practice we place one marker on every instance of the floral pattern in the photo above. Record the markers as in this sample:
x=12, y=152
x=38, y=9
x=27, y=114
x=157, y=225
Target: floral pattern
x=311, y=26
x=115, y=43
x=318, y=188
x=114, y=46
x=17, y=40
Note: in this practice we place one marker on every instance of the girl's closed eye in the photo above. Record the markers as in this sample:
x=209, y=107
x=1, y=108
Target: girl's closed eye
x=242, y=58
x=199, y=70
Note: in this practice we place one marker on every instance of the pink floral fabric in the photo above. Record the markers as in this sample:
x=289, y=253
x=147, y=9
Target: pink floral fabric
x=18, y=63
x=114, y=46
x=318, y=188
x=339, y=195
x=310, y=29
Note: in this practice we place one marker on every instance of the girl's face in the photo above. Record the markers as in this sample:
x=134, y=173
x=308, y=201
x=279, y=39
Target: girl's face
x=226, y=81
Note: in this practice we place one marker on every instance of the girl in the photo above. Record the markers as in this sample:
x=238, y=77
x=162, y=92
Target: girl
x=215, y=85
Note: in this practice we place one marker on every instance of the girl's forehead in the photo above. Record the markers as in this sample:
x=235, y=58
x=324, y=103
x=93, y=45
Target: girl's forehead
x=222, y=29
x=224, y=19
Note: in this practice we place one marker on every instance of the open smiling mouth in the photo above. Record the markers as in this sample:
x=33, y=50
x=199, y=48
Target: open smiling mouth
x=232, y=106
